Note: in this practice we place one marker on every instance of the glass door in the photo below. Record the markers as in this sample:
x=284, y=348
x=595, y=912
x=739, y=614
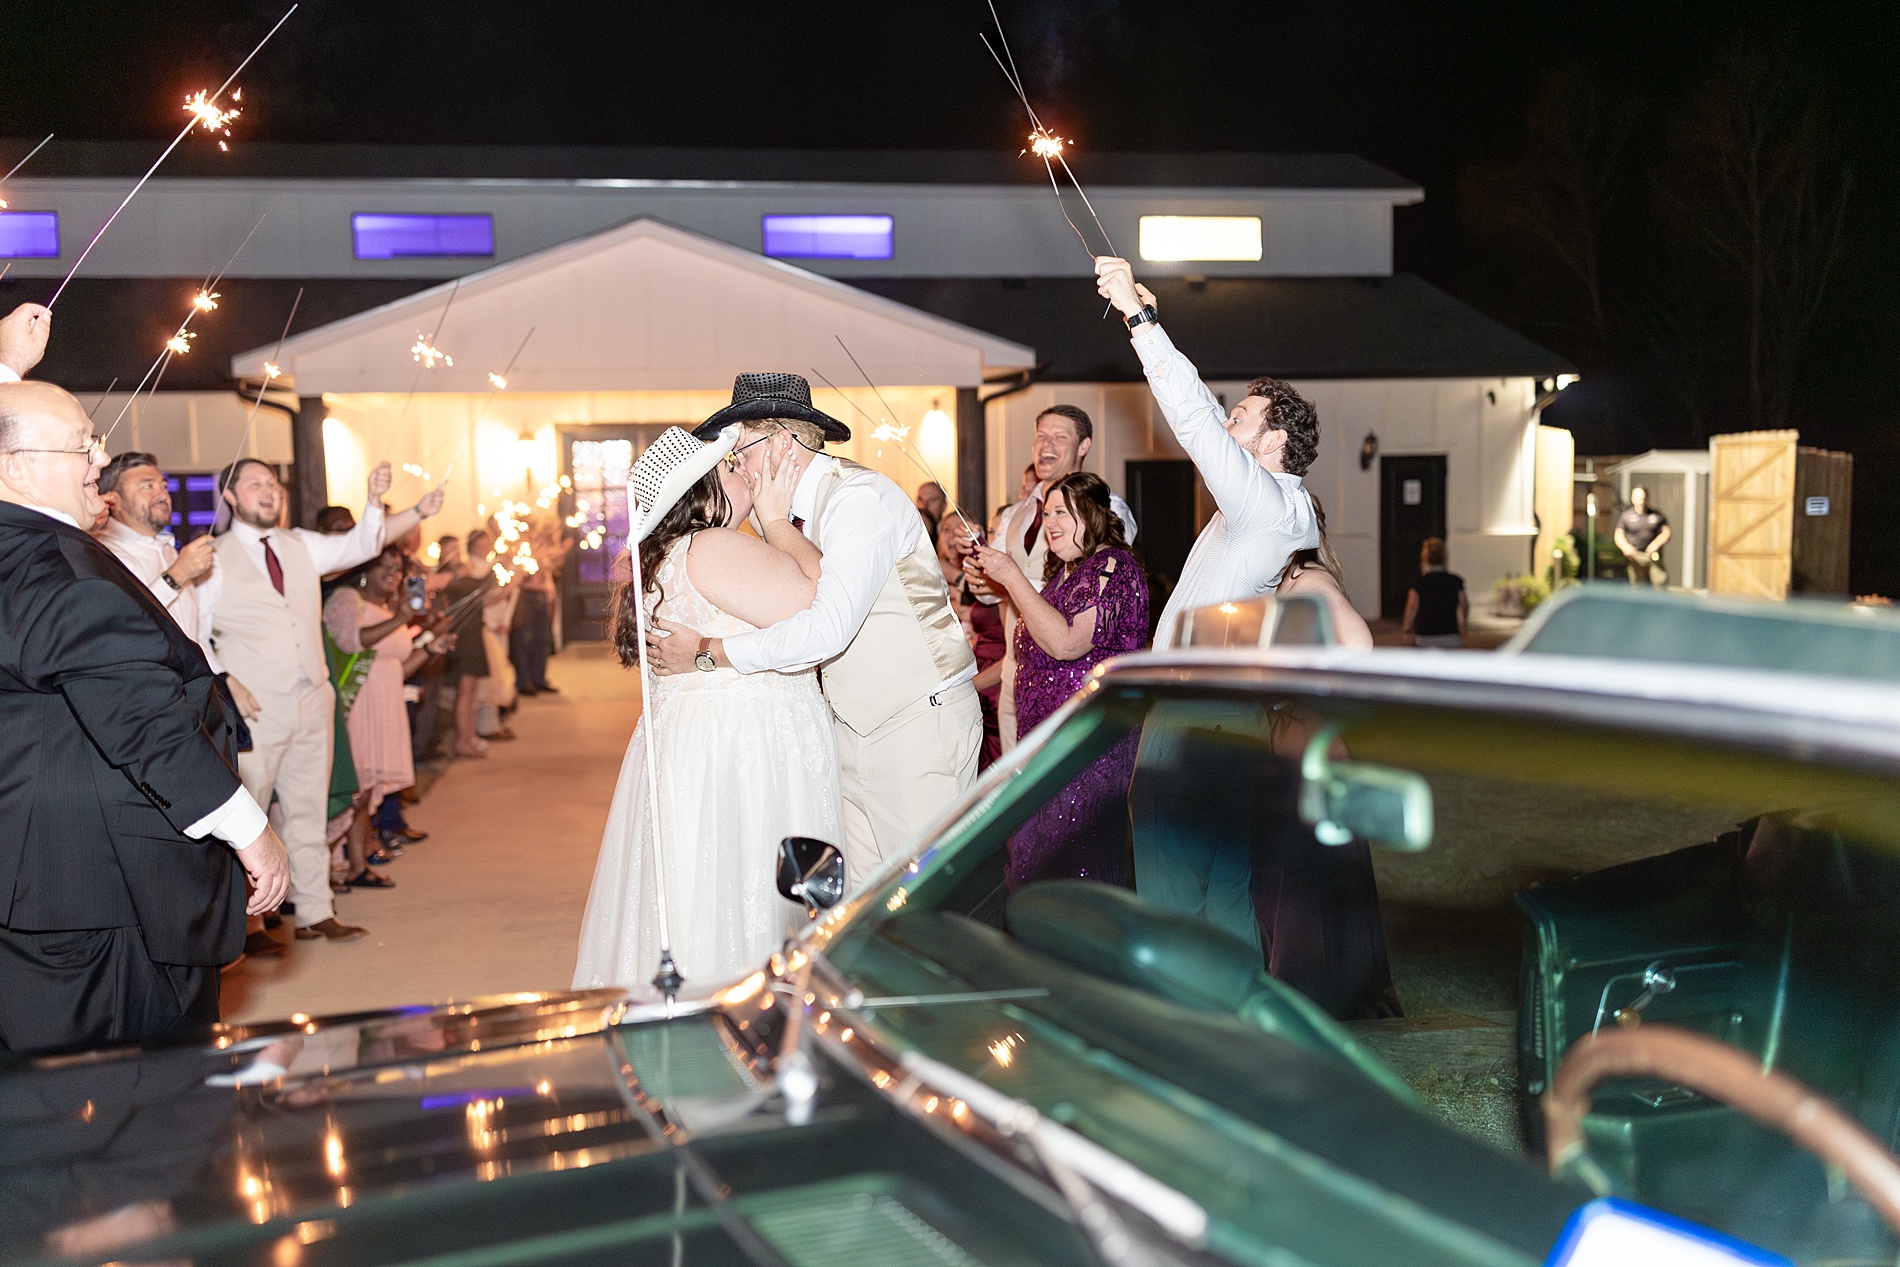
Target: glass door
x=596, y=460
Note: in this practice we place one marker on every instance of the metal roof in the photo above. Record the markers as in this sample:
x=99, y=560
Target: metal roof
x=582, y=162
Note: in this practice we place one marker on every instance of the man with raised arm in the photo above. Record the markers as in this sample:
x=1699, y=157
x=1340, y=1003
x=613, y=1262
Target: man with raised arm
x=1252, y=458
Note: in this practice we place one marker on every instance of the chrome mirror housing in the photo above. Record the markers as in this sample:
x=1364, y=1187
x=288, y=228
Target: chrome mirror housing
x=811, y=871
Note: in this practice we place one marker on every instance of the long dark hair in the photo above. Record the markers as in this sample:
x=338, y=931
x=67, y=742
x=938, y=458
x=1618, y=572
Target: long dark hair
x=703, y=506
x=1321, y=557
x=1086, y=496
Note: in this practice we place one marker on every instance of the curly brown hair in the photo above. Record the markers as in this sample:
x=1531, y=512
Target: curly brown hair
x=1086, y=496
x=704, y=506
x=1294, y=414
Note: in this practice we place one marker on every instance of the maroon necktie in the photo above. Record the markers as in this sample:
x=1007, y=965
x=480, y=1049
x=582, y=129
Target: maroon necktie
x=272, y=566
x=1035, y=526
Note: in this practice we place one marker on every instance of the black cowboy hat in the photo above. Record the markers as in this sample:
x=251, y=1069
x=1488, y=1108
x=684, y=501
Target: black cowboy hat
x=757, y=396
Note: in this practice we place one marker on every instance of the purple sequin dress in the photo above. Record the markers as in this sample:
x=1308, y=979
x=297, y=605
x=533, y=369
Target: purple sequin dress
x=1082, y=831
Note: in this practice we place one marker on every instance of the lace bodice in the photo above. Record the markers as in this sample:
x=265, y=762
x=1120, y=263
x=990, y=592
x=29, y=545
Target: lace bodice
x=683, y=604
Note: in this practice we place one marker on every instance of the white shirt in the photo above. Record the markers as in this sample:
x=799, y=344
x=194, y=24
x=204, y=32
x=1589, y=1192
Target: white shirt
x=238, y=822
x=1264, y=516
x=8, y=376
x=148, y=557
x=329, y=551
x=869, y=525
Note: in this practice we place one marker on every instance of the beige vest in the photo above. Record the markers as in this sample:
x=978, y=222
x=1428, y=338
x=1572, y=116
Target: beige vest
x=266, y=639
x=908, y=646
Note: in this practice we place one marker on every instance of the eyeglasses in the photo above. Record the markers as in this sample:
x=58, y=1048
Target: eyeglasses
x=94, y=450
x=732, y=459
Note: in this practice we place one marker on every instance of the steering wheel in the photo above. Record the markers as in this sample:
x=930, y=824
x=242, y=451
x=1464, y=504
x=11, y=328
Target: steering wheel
x=1726, y=1074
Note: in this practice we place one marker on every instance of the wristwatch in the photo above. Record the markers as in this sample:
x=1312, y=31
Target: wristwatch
x=1142, y=316
x=704, y=661
x=172, y=581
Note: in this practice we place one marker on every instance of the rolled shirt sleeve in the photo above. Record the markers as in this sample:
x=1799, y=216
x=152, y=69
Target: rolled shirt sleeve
x=862, y=541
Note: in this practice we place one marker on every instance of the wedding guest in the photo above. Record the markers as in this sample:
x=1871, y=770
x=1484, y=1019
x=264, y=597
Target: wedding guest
x=1318, y=572
x=124, y=831
x=268, y=629
x=983, y=626
x=1436, y=607
x=932, y=500
x=1092, y=604
x=1064, y=435
x=469, y=594
x=364, y=615
x=1252, y=458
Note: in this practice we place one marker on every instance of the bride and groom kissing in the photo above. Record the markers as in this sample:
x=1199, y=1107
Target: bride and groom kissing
x=754, y=741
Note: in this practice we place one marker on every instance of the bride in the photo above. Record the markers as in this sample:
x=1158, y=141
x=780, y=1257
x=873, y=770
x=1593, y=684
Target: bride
x=743, y=760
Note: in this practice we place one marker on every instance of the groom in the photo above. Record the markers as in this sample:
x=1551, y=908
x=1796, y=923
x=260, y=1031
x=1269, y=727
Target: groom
x=896, y=668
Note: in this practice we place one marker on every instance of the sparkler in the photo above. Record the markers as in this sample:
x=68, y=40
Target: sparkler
x=425, y=355
x=22, y=163
x=180, y=343
x=196, y=119
x=271, y=372
x=887, y=432
x=500, y=383
x=102, y=396
x=1043, y=142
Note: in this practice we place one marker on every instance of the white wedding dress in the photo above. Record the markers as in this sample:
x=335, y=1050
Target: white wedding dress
x=743, y=760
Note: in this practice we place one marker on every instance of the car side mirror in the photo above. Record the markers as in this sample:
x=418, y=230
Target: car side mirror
x=810, y=871
x=1344, y=800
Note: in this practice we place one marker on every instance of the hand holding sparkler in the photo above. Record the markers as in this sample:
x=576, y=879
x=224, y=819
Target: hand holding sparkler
x=431, y=503
x=379, y=481
x=23, y=334
x=999, y=568
x=1115, y=282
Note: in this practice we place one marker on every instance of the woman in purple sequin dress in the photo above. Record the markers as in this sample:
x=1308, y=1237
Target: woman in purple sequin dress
x=1093, y=605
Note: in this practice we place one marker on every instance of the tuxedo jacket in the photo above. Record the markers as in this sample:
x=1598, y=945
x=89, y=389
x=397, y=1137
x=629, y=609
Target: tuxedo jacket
x=113, y=740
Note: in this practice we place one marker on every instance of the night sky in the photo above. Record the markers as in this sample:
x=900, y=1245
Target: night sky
x=1436, y=92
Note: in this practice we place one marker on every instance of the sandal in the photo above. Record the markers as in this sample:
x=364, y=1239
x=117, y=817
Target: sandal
x=371, y=880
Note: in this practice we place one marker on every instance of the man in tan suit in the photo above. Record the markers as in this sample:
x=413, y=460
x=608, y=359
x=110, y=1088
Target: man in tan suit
x=897, y=670
x=268, y=630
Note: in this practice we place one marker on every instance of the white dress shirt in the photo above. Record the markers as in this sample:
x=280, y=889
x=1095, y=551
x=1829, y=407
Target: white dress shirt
x=148, y=558
x=1264, y=516
x=8, y=376
x=869, y=524
x=238, y=822
x=329, y=551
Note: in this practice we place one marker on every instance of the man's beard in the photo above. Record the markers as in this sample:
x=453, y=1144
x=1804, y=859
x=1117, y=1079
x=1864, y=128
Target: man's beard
x=158, y=522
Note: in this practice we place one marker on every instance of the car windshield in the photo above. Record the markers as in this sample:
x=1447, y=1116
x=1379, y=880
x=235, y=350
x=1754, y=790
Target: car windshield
x=1572, y=876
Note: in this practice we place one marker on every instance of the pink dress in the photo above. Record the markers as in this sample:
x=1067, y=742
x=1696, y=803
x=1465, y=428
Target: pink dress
x=379, y=720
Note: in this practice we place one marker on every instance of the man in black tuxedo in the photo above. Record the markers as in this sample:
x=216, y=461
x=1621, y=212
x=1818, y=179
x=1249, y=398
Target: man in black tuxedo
x=124, y=830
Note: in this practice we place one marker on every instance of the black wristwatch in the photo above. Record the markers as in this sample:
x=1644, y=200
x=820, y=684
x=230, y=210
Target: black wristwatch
x=1145, y=315
x=172, y=581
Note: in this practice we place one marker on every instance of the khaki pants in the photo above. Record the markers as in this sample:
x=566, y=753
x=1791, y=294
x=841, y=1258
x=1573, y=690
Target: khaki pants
x=900, y=777
x=290, y=755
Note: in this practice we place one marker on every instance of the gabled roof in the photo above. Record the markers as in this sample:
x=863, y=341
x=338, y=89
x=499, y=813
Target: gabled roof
x=1240, y=327
x=644, y=306
x=1002, y=166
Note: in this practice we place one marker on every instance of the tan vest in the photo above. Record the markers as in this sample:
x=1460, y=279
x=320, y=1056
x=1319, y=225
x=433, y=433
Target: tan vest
x=266, y=639
x=908, y=646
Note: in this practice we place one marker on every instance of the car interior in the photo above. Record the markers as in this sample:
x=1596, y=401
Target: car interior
x=1575, y=880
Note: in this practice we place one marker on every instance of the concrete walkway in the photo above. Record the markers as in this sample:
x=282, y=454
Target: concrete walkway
x=492, y=901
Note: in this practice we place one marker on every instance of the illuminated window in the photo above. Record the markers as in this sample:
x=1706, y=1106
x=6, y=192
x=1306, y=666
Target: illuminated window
x=828, y=237
x=1200, y=238
x=29, y=235
x=382, y=236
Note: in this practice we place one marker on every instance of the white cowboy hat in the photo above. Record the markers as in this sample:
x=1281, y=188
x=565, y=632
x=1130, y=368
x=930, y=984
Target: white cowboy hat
x=671, y=465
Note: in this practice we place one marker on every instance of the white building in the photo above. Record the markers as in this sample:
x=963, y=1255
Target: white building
x=649, y=278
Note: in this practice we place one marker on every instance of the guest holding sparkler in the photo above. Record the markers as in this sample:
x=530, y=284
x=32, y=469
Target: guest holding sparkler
x=1252, y=458
x=23, y=334
x=1064, y=436
x=268, y=629
x=897, y=669
x=1092, y=604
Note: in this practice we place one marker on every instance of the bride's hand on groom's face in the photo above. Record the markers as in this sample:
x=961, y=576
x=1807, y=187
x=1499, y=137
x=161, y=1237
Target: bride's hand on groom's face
x=772, y=490
x=671, y=647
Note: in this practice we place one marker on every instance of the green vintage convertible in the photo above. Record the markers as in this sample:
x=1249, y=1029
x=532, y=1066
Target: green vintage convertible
x=1630, y=994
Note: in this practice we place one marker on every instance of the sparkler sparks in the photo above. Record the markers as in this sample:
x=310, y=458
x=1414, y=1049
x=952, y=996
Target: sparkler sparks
x=428, y=354
x=180, y=343
x=500, y=383
x=205, y=300
x=272, y=371
x=208, y=115
x=1044, y=145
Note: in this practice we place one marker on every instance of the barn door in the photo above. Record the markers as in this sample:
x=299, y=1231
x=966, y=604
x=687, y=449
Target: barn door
x=1751, y=513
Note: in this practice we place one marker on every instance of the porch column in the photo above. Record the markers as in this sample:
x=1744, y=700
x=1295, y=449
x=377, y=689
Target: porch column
x=973, y=457
x=309, y=478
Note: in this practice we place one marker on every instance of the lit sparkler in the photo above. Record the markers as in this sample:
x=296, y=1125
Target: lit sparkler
x=211, y=100
x=180, y=343
x=206, y=300
x=207, y=114
x=428, y=354
x=421, y=351
x=500, y=383
x=271, y=373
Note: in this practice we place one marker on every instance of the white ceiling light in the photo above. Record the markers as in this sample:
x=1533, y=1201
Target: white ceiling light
x=1200, y=238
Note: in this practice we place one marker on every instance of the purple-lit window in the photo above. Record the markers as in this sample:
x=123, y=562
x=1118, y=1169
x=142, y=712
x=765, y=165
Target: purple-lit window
x=828, y=237
x=384, y=236
x=29, y=235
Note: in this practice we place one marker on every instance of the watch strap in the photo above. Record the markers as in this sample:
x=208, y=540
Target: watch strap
x=1145, y=315
x=172, y=581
